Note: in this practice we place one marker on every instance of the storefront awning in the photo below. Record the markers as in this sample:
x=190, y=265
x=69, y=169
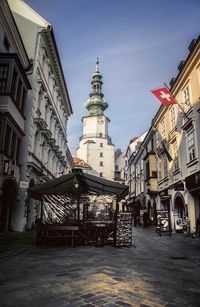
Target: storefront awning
x=78, y=183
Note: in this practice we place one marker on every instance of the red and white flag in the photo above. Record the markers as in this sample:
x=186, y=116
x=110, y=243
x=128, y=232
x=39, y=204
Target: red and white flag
x=164, y=95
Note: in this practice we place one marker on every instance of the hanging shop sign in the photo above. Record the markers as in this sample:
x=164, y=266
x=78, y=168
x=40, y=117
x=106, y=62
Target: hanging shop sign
x=8, y=167
x=24, y=184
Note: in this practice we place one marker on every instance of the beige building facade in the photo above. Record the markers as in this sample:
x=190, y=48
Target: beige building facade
x=170, y=152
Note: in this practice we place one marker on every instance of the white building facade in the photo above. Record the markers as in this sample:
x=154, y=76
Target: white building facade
x=14, y=86
x=96, y=147
x=120, y=166
x=45, y=151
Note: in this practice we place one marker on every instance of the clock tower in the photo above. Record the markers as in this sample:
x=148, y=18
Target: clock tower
x=95, y=146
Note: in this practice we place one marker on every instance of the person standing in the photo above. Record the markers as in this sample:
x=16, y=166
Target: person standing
x=198, y=226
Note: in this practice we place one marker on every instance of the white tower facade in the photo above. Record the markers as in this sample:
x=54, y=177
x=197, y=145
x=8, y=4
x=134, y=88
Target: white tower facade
x=96, y=146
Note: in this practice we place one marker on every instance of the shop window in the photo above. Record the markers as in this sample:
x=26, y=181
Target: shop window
x=4, y=68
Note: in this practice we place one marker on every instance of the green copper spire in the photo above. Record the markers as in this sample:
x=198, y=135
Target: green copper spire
x=96, y=104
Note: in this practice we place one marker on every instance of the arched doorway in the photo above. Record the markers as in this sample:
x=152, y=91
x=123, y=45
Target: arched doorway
x=9, y=195
x=179, y=212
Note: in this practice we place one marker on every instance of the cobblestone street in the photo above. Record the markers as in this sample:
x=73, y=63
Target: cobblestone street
x=155, y=271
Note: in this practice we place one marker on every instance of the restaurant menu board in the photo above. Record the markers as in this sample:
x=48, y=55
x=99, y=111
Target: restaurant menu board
x=163, y=220
x=124, y=229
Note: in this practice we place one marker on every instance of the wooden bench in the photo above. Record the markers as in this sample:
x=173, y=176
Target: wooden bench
x=62, y=231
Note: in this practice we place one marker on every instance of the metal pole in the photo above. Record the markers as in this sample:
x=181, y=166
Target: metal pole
x=178, y=103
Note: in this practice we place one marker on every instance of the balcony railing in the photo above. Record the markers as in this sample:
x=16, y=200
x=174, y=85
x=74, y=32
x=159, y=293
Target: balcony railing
x=95, y=135
x=40, y=122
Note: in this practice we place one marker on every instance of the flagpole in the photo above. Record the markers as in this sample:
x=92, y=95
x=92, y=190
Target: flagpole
x=161, y=142
x=186, y=115
x=169, y=158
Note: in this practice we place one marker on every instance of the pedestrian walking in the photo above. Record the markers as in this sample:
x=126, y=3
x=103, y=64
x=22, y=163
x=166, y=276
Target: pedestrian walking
x=198, y=226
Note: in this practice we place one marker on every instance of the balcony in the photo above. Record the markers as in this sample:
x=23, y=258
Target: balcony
x=56, y=149
x=8, y=107
x=95, y=135
x=52, y=142
x=40, y=123
x=47, y=133
x=59, y=155
x=13, y=88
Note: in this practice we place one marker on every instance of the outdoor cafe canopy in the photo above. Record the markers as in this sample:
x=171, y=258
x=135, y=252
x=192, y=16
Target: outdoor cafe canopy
x=78, y=183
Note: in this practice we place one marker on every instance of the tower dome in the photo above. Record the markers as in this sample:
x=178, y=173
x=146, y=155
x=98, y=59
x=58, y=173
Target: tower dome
x=96, y=104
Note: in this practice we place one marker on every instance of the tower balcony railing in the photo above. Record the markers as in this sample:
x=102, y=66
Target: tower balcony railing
x=95, y=135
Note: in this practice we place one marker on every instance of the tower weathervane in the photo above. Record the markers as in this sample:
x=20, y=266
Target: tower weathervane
x=97, y=64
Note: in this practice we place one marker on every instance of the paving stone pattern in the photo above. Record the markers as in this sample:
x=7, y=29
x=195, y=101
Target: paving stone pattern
x=155, y=271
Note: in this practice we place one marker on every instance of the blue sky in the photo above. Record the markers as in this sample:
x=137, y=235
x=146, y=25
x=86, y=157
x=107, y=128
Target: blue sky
x=140, y=44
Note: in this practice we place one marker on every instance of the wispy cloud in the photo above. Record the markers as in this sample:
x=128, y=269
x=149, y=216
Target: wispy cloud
x=140, y=45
